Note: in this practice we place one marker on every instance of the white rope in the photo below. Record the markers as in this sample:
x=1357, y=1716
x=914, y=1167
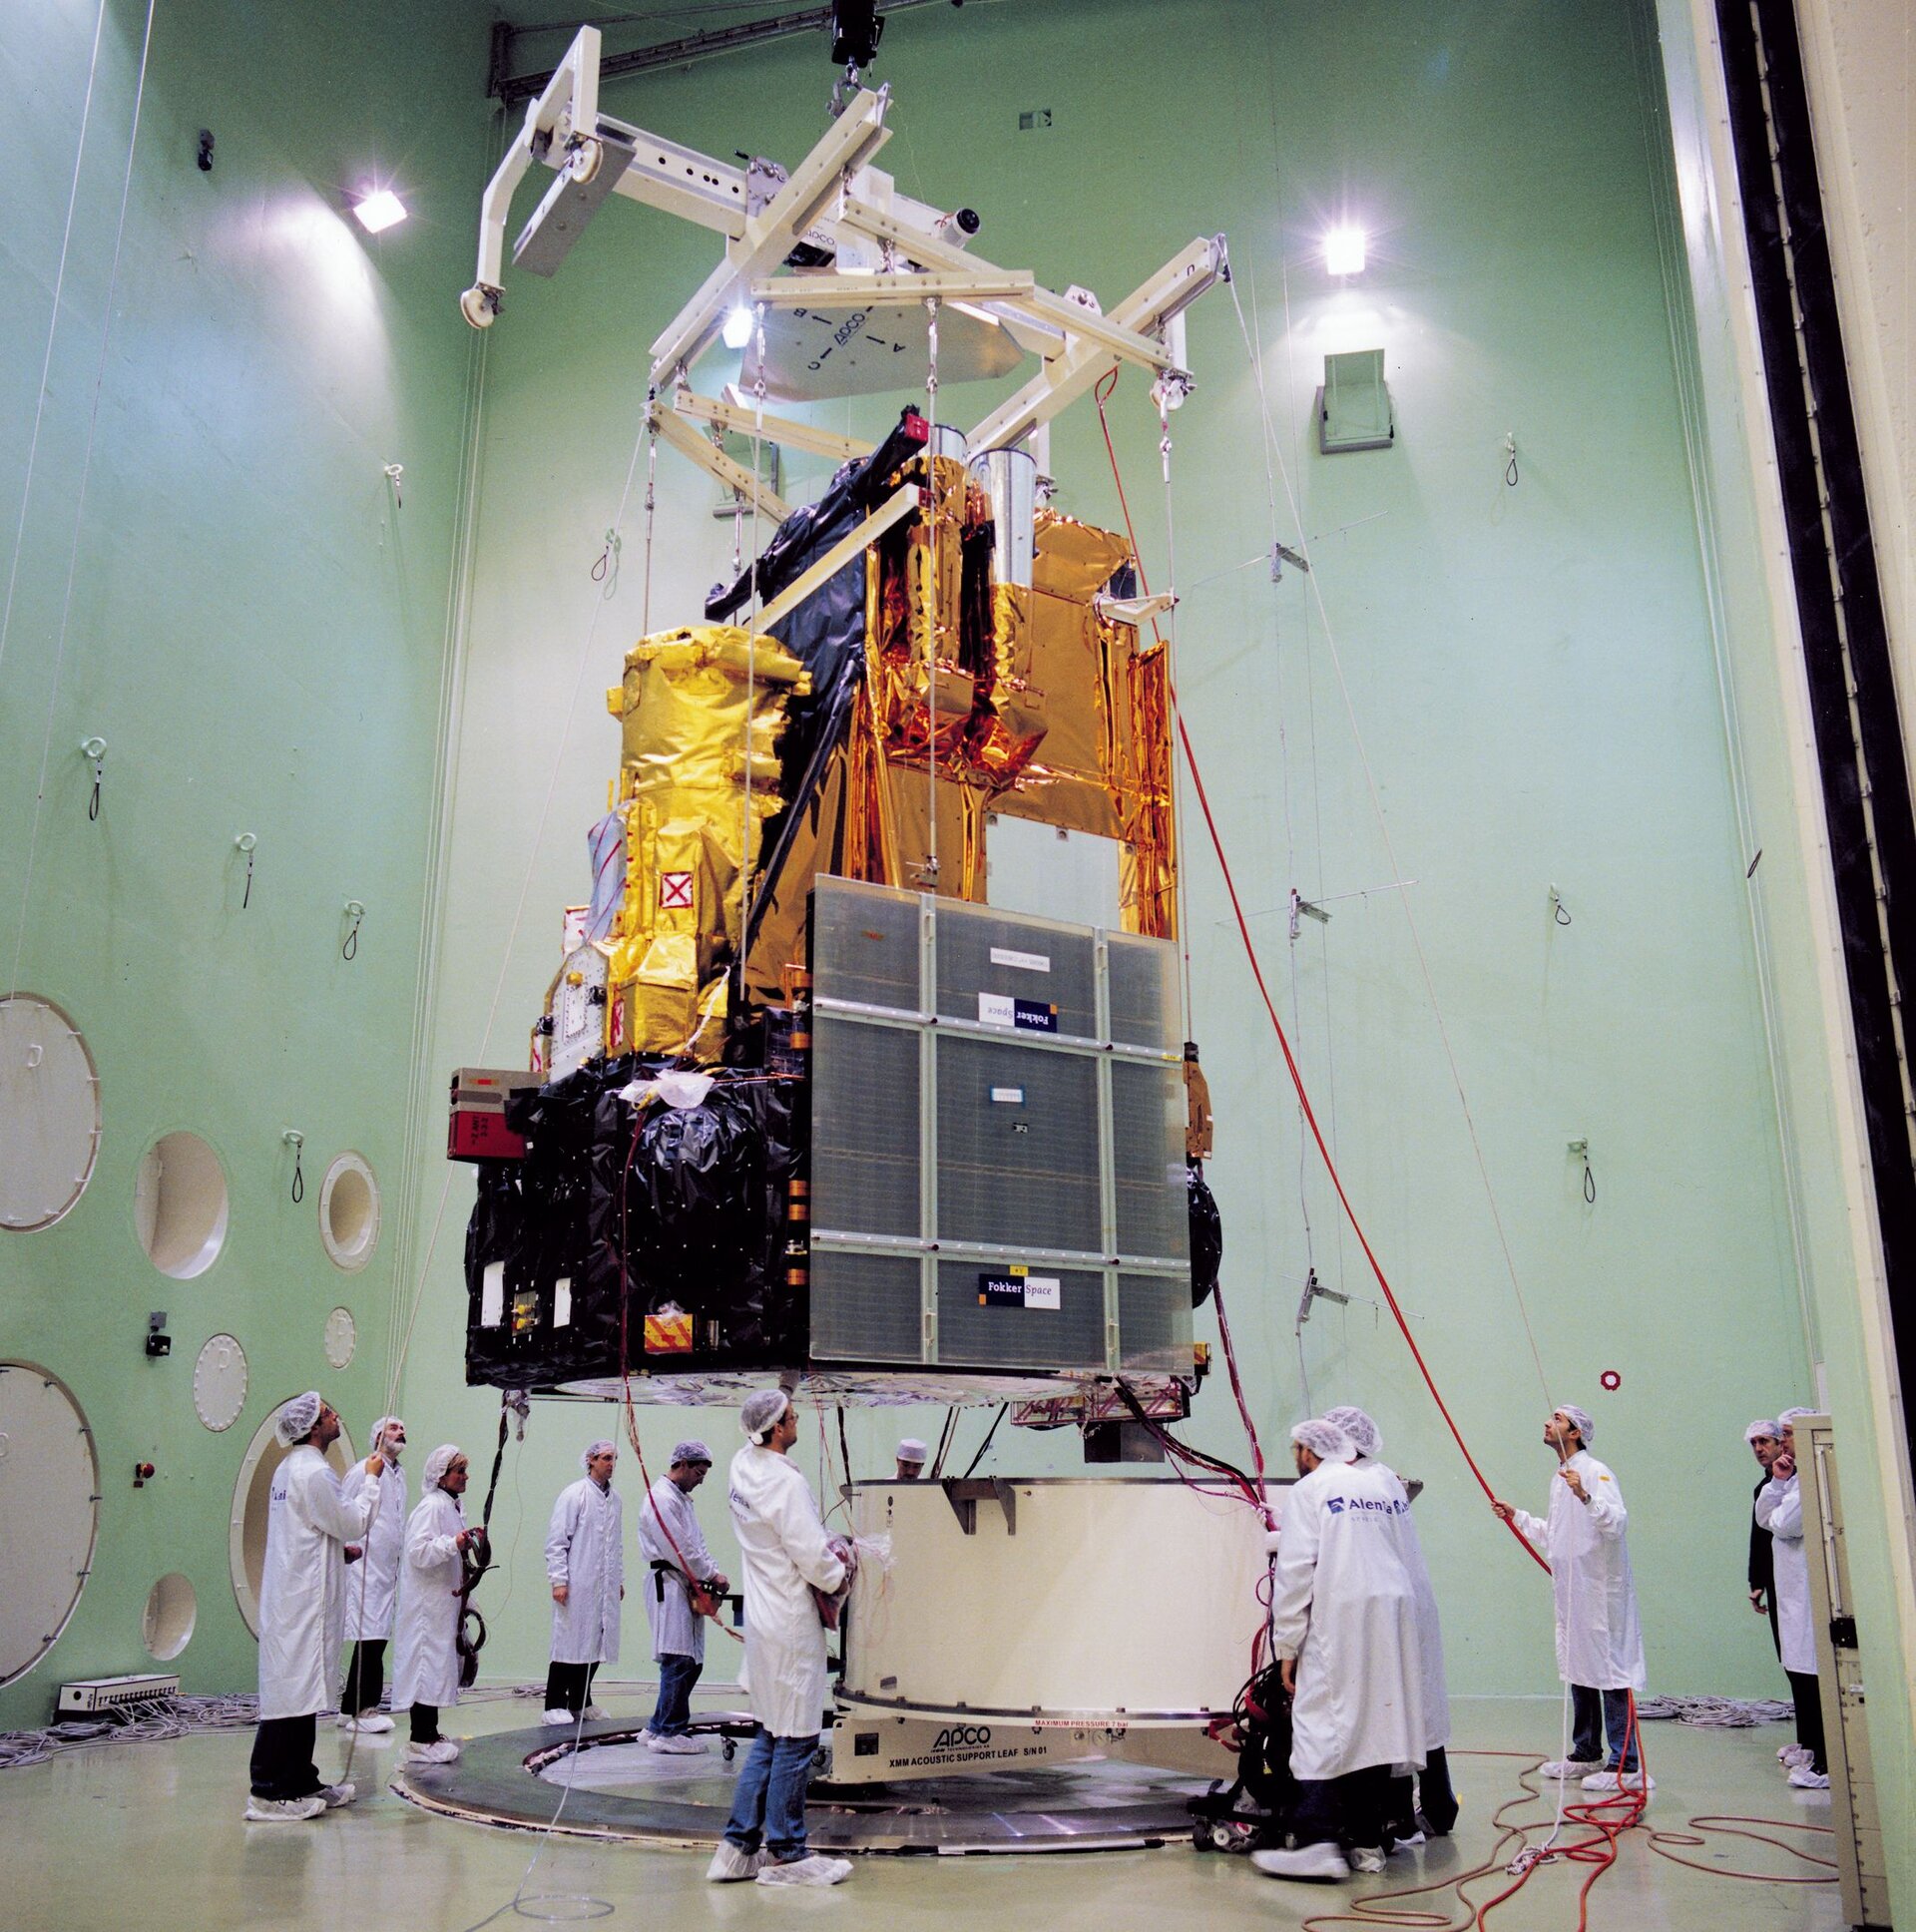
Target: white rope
x=86, y=478
x=53, y=330
x=1410, y=917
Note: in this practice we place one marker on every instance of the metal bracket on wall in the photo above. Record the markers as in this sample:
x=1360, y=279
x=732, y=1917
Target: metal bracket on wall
x=964, y=1494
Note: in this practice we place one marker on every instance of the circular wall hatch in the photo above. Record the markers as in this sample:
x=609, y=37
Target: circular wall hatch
x=49, y=1114
x=49, y=1505
x=220, y=1381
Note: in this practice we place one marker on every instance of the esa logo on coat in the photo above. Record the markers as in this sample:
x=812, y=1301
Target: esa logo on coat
x=961, y=1736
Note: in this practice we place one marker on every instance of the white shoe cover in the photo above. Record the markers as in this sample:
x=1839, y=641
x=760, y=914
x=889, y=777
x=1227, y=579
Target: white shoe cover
x=1626, y=1781
x=442, y=1751
x=682, y=1745
x=729, y=1865
x=1802, y=1779
x=337, y=1794
x=813, y=1869
x=558, y=1718
x=1322, y=1861
x=1562, y=1767
x=596, y=1714
x=1366, y=1858
x=283, y=1810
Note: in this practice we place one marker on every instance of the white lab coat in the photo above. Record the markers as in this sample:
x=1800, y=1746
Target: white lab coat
x=1430, y=1634
x=311, y=1516
x=585, y=1551
x=675, y=1632
x=373, y=1581
x=1779, y=1509
x=426, y=1657
x=1600, y=1643
x=1345, y=1608
x=784, y=1549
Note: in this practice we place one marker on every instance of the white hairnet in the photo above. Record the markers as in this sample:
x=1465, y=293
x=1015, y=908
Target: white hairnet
x=295, y=1419
x=1323, y=1439
x=1790, y=1415
x=911, y=1449
x=692, y=1450
x=439, y=1462
x=762, y=1410
x=1773, y=1430
x=379, y=1429
x=1579, y=1419
x=600, y=1448
x=1365, y=1434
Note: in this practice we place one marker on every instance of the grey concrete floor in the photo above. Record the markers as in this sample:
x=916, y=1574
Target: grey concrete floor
x=150, y=1836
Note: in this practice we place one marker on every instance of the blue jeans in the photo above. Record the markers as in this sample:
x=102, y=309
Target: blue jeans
x=672, y=1716
x=771, y=1796
x=1594, y=1712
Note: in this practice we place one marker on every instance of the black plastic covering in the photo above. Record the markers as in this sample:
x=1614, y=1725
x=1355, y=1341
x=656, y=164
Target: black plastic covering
x=637, y=1211
x=1207, y=1234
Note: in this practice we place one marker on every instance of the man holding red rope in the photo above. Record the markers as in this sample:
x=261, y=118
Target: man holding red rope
x=1600, y=1642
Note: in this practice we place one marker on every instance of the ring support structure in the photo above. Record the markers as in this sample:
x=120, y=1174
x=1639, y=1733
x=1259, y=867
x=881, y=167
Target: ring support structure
x=641, y=1797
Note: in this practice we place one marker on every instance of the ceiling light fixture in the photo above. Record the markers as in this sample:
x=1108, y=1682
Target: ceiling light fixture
x=737, y=332
x=1344, y=252
x=378, y=209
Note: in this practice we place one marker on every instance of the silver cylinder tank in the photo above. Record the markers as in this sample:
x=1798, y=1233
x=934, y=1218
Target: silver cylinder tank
x=948, y=441
x=1010, y=478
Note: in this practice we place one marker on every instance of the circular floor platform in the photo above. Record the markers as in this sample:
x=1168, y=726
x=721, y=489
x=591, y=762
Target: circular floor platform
x=619, y=1790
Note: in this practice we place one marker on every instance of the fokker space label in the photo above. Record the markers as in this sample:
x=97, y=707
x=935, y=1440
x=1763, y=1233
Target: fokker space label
x=1018, y=1288
x=1027, y=1016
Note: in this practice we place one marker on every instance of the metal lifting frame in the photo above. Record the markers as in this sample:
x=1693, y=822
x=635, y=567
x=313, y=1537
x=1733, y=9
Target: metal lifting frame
x=836, y=200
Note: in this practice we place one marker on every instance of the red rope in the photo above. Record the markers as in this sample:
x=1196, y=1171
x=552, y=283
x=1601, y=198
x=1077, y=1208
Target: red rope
x=1290, y=1064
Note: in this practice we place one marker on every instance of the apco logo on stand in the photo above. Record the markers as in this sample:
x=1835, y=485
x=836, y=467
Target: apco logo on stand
x=1018, y=1288
x=1026, y=1015
x=961, y=1737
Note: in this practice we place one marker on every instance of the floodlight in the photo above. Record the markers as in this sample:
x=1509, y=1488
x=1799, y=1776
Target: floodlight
x=379, y=209
x=1344, y=252
x=737, y=332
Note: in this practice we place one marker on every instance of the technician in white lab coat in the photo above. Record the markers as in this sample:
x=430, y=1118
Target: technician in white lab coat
x=786, y=1556
x=586, y=1568
x=425, y=1667
x=372, y=1581
x=1779, y=1510
x=1344, y=1627
x=1434, y=1803
x=671, y=1542
x=311, y=1518
x=1600, y=1643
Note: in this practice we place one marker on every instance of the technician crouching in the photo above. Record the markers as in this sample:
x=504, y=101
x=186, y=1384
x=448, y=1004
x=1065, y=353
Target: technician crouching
x=787, y=1555
x=1344, y=1625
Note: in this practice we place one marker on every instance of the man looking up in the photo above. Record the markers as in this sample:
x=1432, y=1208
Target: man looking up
x=786, y=1556
x=1600, y=1643
x=311, y=1518
x=586, y=1566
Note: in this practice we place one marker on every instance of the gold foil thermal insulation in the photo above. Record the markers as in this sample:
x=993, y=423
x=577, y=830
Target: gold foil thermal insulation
x=1103, y=763
x=702, y=708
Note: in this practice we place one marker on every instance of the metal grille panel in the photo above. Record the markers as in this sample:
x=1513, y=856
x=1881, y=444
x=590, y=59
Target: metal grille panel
x=864, y=1127
x=866, y=1307
x=864, y=945
x=985, y=952
x=1154, y=1324
x=1017, y=1171
x=1147, y=1112
x=1143, y=992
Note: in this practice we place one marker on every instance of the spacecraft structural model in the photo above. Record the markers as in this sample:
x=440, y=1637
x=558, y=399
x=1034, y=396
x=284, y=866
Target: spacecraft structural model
x=801, y=1105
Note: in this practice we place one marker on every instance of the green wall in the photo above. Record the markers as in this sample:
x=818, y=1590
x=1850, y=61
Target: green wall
x=1532, y=670
x=260, y=640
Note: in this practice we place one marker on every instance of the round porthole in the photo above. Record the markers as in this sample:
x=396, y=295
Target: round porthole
x=179, y=1205
x=166, y=1626
x=49, y=1114
x=343, y=1337
x=349, y=1212
x=252, y=1498
x=220, y=1382
x=49, y=1504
